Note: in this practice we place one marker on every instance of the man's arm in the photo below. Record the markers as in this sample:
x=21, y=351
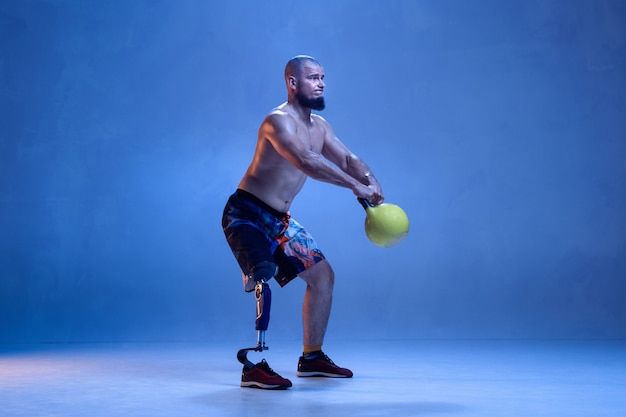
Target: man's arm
x=280, y=130
x=339, y=154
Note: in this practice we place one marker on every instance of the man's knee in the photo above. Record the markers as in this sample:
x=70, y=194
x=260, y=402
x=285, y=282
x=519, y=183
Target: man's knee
x=321, y=276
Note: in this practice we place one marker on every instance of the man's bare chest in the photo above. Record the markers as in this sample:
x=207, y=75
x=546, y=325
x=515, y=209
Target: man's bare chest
x=312, y=136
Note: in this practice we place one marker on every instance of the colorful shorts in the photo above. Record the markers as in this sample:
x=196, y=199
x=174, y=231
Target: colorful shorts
x=256, y=233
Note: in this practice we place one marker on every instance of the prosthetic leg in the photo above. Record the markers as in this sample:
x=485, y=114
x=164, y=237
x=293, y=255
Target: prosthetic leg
x=261, y=273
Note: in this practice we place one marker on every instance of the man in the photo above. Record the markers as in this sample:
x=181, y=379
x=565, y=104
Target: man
x=293, y=144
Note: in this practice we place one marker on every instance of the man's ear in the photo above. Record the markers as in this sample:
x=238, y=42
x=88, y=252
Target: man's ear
x=292, y=82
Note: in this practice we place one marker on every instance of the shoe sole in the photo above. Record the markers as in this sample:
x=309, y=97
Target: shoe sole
x=258, y=385
x=322, y=374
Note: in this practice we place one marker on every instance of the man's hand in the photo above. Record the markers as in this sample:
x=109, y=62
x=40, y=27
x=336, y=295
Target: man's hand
x=372, y=193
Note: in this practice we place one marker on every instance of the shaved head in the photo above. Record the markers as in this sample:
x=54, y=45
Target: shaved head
x=295, y=64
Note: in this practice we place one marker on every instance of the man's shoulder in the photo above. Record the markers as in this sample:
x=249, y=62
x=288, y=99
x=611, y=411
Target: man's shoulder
x=317, y=117
x=279, y=117
x=280, y=111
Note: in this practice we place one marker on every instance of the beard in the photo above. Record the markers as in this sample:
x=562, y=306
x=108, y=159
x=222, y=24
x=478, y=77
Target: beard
x=311, y=103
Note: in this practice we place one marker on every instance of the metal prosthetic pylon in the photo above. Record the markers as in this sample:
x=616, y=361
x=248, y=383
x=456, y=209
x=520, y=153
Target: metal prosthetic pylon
x=263, y=296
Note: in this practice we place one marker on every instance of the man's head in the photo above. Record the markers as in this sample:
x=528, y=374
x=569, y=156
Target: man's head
x=304, y=77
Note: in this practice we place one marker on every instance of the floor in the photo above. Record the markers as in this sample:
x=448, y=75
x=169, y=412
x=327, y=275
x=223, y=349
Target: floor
x=392, y=378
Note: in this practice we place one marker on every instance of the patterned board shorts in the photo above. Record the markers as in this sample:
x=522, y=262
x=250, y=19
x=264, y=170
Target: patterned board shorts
x=256, y=233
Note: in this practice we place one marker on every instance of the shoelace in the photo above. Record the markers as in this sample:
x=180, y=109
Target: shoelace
x=325, y=356
x=266, y=367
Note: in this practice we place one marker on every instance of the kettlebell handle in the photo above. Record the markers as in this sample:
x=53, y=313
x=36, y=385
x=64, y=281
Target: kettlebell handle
x=365, y=203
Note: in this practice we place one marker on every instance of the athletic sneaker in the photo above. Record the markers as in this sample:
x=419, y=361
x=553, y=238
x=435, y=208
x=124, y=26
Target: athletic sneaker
x=321, y=365
x=262, y=376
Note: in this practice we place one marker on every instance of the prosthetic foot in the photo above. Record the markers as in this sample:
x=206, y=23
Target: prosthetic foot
x=261, y=273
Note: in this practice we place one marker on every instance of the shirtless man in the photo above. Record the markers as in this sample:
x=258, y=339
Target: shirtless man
x=293, y=144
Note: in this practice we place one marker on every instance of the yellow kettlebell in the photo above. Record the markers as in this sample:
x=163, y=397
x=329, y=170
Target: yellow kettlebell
x=385, y=224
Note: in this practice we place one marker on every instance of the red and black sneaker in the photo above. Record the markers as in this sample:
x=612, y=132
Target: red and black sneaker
x=321, y=365
x=262, y=376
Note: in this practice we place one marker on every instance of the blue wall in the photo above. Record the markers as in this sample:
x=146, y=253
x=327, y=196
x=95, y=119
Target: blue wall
x=498, y=126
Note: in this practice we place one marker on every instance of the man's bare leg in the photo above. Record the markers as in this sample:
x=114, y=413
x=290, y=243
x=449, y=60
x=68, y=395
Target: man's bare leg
x=315, y=313
x=320, y=280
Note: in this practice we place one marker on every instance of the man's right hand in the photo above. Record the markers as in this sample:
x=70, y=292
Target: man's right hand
x=372, y=193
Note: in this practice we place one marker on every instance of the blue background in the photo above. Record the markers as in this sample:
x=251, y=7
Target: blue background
x=500, y=127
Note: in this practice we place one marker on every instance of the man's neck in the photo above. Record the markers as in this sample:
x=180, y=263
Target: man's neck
x=303, y=113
